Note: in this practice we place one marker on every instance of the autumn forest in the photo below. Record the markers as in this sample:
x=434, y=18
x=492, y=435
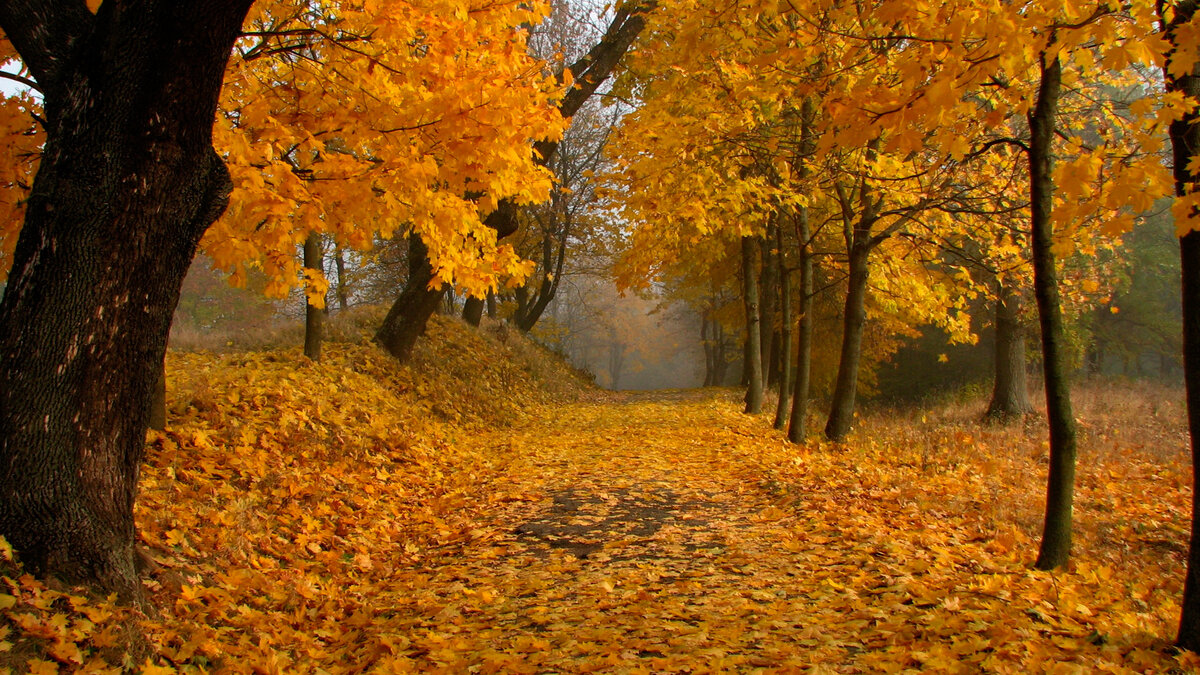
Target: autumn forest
x=663, y=336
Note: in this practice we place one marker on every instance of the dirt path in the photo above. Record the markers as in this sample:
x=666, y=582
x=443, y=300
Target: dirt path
x=623, y=544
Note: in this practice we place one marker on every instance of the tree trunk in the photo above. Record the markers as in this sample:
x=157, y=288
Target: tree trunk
x=473, y=311
x=127, y=185
x=158, y=404
x=1010, y=390
x=1185, y=145
x=491, y=305
x=754, y=379
x=798, y=422
x=771, y=367
x=841, y=411
x=706, y=343
x=406, y=320
x=799, y=418
x=616, y=363
x=784, y=346
x=720, y=360
x=314, y=317
x=1056, y=530
x=343, y=293
x=1189, y=250
x=769, y=283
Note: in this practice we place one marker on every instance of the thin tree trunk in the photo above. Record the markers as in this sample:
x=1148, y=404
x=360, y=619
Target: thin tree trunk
x=799, y=418
x=1185, y=145
x=343, y=294
x=754, y=379
x=720, y=362
x=771, y=366
x=406, y=320
x=1056, y=530
x=841, y=411
x=127, y=185
x=706, y=344
x=1010, y=390
x=785, y=345
x=491, y=305
x=314, y=317
x=798, y=422
x=768, y=299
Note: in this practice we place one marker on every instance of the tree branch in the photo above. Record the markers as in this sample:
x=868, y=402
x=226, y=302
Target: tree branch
x=45, y=32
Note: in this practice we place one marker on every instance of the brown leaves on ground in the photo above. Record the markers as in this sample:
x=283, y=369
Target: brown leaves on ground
x=350, y=517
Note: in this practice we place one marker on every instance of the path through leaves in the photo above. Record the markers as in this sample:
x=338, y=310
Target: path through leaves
x=351, y=517
x=642, y=537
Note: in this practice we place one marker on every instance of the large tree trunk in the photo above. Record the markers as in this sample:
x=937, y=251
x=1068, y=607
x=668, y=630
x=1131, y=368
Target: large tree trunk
x=405, y=321
x=754, y=379
x=1185, y=145
x=1060, y=489
x=841, y=410
x=314, y=317
x=799, y=417
x=127, y=185
x=1010, y=390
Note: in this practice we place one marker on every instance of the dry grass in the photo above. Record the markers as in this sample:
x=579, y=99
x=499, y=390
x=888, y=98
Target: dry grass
x=1133, y=483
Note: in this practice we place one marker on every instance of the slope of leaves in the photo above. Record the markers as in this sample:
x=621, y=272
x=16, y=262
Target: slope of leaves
x=357, y=517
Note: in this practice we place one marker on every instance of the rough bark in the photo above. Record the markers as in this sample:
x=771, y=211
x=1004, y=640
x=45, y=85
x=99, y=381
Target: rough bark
x=158, y=403
x=1185, y=146
x=314, y=317
x=405, y=321
x=854, y=319
x=1056, y=529
x=127, y=185
x=1010, y=390
x=754, y=374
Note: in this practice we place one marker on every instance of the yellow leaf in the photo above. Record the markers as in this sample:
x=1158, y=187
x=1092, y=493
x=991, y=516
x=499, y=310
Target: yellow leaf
x=42, y=667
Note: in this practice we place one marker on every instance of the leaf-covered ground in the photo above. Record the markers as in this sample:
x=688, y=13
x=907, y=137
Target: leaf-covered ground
x=352, y=517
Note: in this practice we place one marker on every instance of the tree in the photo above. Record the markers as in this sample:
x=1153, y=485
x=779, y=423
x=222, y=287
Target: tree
x=314, y=306
x=582, y=78
x=128, y=183
x=750, y=297
x=1182, y=74
x=1010, y=389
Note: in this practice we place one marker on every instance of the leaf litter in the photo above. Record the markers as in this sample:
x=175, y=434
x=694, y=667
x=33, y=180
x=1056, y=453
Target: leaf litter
x=353, y=517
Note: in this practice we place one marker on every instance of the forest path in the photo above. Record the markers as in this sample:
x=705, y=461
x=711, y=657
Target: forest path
x=625, y=539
